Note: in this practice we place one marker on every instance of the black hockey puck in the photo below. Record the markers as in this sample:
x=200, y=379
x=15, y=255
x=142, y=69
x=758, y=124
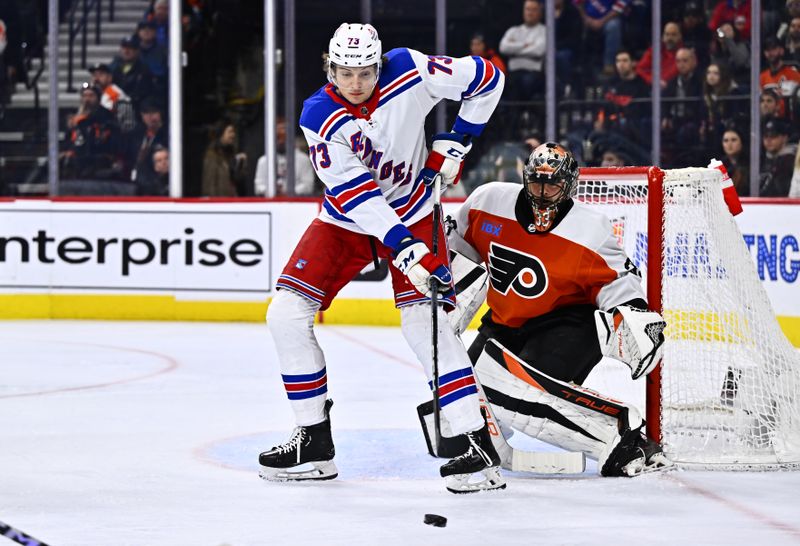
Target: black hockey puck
x=436, y=520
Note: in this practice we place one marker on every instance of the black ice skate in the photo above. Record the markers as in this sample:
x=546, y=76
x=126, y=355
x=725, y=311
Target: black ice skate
x=308, y=455
x=635, y=454
x=480, y=458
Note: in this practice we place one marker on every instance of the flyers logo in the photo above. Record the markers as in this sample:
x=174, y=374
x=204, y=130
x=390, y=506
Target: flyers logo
x=511, y=269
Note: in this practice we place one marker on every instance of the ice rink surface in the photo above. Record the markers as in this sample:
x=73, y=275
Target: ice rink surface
x=135, y=433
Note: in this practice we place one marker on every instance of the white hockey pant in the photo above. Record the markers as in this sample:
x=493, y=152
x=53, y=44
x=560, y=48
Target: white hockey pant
x=563, y=414
x=458, y=394
x=290, y=320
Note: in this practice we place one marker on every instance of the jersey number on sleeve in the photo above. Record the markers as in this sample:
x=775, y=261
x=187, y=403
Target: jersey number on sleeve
x=438, y=62
x=324, y=158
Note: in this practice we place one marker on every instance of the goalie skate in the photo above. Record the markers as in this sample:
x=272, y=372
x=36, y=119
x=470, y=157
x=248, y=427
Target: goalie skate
x=308, y=455
x=633, y=455
x=478, y=469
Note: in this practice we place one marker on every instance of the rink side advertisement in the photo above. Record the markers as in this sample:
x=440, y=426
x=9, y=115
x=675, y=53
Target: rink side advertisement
x=219, y=260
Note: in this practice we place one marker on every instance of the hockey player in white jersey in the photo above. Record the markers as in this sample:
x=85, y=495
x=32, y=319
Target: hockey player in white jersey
x=365, y=132
x=561, y=294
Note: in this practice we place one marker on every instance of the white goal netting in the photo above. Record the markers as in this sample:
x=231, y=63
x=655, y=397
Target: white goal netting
x=730, y=380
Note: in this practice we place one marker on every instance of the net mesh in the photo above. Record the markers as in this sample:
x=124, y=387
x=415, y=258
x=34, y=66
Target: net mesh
x=729, y=379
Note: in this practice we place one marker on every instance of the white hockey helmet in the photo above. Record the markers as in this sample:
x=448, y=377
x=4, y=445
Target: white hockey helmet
x=354, y=45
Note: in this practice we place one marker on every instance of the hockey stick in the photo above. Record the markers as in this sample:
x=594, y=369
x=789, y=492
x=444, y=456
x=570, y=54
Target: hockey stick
x=18, y=536
x=433, y=283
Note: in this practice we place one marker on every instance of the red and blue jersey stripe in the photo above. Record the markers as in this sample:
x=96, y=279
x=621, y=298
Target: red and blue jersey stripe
x=305, y=386
x=455, y=385
x=323, y=115
x=354, y=192
x=409, y=204
x=486, y=78
x=398, y=75
x=300, y=287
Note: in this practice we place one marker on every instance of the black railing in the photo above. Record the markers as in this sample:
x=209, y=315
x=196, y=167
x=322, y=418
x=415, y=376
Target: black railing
x=80, y=24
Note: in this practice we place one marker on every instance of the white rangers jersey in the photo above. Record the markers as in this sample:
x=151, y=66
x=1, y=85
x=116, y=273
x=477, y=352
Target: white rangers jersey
x=578, y=262
x=368, y=156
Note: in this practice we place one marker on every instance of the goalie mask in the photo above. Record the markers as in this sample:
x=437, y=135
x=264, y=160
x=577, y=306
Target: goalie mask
x=550, y=177
x=354, y=46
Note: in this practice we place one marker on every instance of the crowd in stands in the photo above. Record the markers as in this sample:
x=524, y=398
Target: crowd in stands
x=604, y=68
x=607, y=64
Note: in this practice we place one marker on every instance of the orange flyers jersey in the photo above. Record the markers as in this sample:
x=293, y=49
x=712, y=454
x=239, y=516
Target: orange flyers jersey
x=579, y=261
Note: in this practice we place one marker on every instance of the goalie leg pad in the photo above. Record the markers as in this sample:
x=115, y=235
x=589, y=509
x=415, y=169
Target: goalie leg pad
x=562, y=414
x=511, y=459
x=632, y=336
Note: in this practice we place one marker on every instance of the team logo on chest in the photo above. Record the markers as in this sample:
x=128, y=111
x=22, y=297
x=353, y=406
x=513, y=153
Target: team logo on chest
x=511, y=269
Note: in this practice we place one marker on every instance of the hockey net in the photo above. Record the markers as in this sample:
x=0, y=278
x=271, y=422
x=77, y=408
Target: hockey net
x=727, y=394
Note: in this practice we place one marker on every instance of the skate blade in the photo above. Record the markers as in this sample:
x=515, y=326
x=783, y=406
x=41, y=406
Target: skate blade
x=319, y=470
x=461, y=483
x=657, y=463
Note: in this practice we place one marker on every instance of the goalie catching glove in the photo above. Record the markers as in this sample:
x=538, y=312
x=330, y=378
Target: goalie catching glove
x=416, y=262
x=446, y=157
x=632, y=336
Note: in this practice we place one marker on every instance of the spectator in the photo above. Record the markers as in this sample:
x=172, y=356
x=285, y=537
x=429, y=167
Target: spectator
x=793, y=8
x=112, y=96
x=131, y=74
x=612, y=158
x=304, y=177
x=736, y=161
x=621, y=113
x=720, y=95
x=152, y=54
x=604, y=17
x=93, y=146
x=730, y=49
x=160, y=16
x=478, y=48
x=685, y=112
x=569, y=36
x=155, y=179
x=223, y=168
x=524, y=46
x=727, y=11
x=777, y=163
x=786, y=77
x=144, y=138
x=792, y=47
x=771, y=102
x=695, y=31
x=671, y=40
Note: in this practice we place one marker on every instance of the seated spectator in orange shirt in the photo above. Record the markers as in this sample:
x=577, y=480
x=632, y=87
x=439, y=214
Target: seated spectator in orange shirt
x=113, y=98
x=785, y=77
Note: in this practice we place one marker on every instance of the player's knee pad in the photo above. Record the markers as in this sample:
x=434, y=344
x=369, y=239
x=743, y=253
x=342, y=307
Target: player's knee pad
x=559, y=413
x=290, y=314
